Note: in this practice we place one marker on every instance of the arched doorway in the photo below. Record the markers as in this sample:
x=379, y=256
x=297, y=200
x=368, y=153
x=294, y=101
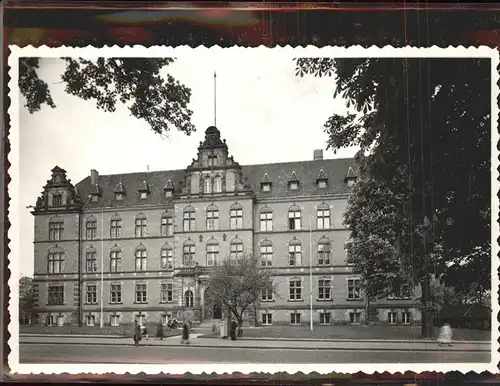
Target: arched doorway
x=212, y=308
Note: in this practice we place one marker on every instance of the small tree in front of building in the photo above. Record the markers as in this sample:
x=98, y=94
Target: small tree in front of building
x=237, y=285
x=25, y=300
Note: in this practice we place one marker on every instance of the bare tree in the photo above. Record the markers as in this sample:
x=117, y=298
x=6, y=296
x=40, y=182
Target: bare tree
x=237, y=285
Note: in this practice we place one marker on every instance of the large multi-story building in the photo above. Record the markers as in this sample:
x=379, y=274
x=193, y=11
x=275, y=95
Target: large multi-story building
x=141, y=246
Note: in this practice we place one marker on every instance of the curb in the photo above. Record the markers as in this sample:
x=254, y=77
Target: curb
x=268, y=348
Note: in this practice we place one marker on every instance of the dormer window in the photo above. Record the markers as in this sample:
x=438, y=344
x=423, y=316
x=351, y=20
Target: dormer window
x=95, y=198
x=293, y=182
x=119, y=196
x=351, y=177
x=169, y=188
x=168, y=193
x=212, y=160
x=322, y=179
x=265, y=183
x=119, y=191
x=143, y=190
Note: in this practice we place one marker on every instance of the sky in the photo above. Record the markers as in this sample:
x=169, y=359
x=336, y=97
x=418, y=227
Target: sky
x=265, y=113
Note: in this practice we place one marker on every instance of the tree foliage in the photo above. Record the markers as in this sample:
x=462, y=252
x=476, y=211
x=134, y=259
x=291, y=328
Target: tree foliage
x=237, y=284
x=25, y=298
x=423, y=126
x=138, y=83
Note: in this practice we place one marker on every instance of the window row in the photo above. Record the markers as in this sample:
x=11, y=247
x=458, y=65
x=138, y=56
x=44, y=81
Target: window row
x=324, y=290
x=56, y=227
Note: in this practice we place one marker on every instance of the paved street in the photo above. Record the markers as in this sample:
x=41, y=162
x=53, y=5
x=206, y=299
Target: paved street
x=71, y=349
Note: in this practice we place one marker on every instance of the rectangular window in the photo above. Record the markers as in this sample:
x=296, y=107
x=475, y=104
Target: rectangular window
x=323, y=219
x=294, y=220
x=164, y=319
x=56, y=294
x=294, y=185
x=295, y=289
x=294, y=318
x=324, y=289
x=322, y=184
x=56, y=230
x=91, y=230
x=266, y=294
x=140, y=227
x=236, y=251
x=325, y=317
x=266, y=255
x=55, y=262
x=324, y=254
x=188, y=255
x=167, y=259
x=295, y=255
x=405, y=317
x=266, y=221
x=353, y=289
x=115, y=261
x=355, y=317
x=167, y=226
x=266, y=187
x=91, y=297
x=166, y=292
x=392, y=317
x=60, y=320
x=140, y=293
x=212, y=254
x=140, y=260
x=267, y=319
x=217, y=185
x=188, y=221
x=90, y=320
x=140, y=318
x=115, y=293
x=115, y=320
x=212, y=219
x=57, y=200
x=51, y=320
x=91, y=262
x=207, y=185
x=116, y=229
x=236, y=218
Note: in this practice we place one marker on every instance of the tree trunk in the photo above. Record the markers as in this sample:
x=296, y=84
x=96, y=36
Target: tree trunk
x=427, y=314
x=367, y=311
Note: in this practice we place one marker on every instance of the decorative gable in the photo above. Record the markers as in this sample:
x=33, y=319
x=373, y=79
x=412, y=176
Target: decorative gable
x=265, y=183
x=168, y=188
x=351, y=177
x=119, y=190
x=58, y=193
x=293, y=182
x=143, y=189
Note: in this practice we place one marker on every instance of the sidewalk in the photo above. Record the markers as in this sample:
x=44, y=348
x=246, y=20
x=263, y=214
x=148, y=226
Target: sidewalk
x=259, y=343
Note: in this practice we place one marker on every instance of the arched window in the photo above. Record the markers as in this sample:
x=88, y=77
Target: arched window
x=212, y=252
x=236, y=216
x=167, y=258
x=323, y=217
x=167, y=225
x=91, y=228
x=188, y=299
x=141, y=255
x=294, y=218
x=212, y=218
x=55, y=260
x=266, y=220
x=217, y=184
x=56, y=228
x=140, y=225
x=115, y=229
x=236, y=249
x=115, y=259
x=266, y=253
x=324, y=251
x=295, y=253
x=189, y=219
x=91, y=260
x=188, y=253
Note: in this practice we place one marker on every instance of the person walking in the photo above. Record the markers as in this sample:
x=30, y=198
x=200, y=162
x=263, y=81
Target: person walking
x=137, y=333
x=160, y=330
x=185, y=332
x=445, y=335
x=234, y=325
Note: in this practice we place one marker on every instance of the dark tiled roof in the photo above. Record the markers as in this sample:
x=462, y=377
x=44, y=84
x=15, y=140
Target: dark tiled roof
x=278, y=174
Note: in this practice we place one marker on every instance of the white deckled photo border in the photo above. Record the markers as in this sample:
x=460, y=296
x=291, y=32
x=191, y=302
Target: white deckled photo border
x=246, y=368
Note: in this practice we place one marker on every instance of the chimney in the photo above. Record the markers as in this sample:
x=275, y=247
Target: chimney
x=318, y=154
x=94, y=177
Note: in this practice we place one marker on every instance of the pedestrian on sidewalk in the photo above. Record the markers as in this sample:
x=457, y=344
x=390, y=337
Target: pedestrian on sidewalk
x=160, y=330
x=445, y=335
x=137, y=333
x=185, y=332
x=234, y=325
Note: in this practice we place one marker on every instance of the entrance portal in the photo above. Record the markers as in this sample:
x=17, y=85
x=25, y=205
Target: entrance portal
x=217, y=312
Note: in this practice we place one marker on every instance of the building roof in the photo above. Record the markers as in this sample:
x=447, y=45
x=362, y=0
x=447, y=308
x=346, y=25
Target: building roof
x=279, y=174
